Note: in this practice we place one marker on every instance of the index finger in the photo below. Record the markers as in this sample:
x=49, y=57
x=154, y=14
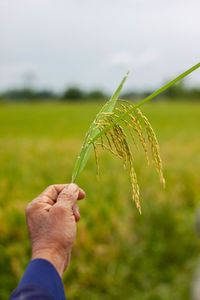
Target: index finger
x=52, y=192
x=70, y=194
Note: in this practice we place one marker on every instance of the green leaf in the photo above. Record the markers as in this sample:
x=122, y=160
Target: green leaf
x=153, y=95
x=93, y=132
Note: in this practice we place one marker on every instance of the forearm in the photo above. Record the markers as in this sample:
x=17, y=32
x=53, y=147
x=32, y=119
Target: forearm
x=40, y=279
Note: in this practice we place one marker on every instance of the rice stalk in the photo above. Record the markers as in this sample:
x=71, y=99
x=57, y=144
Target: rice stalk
x=154, y=146
x=96, y=160
x=117, y=139
x=109, y=131
x=137, y=127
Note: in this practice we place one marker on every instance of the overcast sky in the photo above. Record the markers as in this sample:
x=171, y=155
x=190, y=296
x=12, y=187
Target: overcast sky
x=93, y=43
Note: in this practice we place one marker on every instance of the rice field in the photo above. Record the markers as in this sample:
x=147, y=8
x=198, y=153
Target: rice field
x=118, y=253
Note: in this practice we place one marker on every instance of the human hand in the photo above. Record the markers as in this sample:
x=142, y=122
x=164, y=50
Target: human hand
x=51, y=220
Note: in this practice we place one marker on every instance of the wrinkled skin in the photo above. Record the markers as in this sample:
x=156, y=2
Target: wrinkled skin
x=51, y=220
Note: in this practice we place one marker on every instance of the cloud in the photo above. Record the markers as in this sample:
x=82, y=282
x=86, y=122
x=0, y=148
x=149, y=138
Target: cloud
x=129, y=59
x=121, y=58
x=149, y=57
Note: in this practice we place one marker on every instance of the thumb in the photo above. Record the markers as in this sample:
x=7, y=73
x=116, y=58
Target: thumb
x=69, y=195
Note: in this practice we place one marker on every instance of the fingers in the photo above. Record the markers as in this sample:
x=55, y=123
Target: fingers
x=81, y=194
x=69, y=195
x=62, y=194
x=76, y=212
x=53, y=191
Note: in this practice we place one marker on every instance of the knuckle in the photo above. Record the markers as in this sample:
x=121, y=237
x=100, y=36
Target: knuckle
x=52, y=186
x=67, y=196
x=31, y=207
x=28, y=208
x=70, y=197
x=74, y=185
x=49, y=188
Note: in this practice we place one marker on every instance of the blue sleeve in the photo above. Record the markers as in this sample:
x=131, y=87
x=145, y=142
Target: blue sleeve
x=40, y=281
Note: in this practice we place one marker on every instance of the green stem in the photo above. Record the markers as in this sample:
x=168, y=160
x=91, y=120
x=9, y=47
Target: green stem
x=156, y=93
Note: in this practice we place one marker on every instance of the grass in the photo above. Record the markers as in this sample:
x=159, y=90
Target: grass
x=118, y=253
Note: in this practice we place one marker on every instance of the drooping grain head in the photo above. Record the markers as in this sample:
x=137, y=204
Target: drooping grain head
x=117, y=142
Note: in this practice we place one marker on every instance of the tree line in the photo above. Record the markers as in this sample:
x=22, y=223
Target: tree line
x=71, y=94
x=74, y=93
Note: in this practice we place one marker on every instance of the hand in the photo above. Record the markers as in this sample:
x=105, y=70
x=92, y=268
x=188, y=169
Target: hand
x=51, y=220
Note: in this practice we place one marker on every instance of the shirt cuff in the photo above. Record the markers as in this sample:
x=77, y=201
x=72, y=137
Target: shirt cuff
x=42, y=273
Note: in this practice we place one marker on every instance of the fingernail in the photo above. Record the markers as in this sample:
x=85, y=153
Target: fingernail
x=78, y=213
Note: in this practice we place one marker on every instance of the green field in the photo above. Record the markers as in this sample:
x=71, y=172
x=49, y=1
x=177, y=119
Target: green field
x=118, y=253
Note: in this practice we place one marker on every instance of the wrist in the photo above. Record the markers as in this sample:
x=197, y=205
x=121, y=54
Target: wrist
x=55, y=258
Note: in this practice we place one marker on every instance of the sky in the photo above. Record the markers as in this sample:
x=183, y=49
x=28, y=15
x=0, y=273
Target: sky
x=56, y=44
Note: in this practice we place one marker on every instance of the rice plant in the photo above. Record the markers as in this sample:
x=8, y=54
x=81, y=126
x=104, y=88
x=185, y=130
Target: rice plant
x=119, y=127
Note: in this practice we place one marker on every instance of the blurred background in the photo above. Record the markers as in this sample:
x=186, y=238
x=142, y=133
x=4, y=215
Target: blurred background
x=59, y=62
